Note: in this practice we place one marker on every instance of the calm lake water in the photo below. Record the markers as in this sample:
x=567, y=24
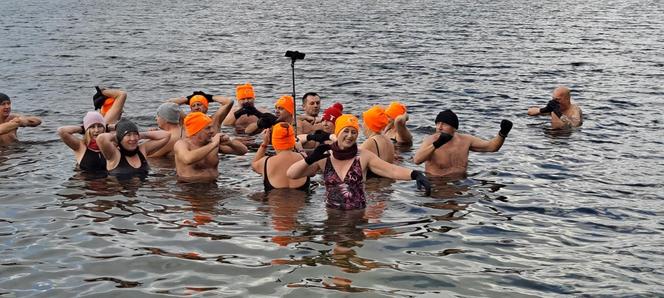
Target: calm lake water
x=552, y=214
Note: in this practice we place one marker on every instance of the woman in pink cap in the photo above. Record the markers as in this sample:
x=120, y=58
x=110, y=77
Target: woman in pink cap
x=87, y=153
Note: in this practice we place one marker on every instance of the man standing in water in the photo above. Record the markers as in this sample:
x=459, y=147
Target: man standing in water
x=309, y=122
x=564, y=113
x=9, y=123
x=197, y=156
x=445, y=153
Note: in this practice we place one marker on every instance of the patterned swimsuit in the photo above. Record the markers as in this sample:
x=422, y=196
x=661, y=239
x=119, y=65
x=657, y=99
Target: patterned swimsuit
x=347, y=194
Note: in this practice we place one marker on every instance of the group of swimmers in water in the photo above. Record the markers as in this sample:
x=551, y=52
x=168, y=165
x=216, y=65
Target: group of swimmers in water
x=303, y=146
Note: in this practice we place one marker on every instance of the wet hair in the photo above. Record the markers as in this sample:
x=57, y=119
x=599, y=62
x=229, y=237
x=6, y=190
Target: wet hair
x=304, y=97
x=4, y=97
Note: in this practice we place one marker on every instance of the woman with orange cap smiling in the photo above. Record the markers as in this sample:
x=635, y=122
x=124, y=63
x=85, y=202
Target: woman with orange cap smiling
x=273, y=168
x=345, y=169
x=396, y=130
x=109, y=103
x=375, y=120
x=197, y=155
x=124, y=155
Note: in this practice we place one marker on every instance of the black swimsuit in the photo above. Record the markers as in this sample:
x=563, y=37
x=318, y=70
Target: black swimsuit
x=125, y=169
x=371, y=174
x=268, y=186
x=92, y=161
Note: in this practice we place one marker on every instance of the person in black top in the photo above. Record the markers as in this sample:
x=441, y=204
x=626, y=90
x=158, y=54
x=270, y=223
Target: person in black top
x=87, y=153
x=124, y=156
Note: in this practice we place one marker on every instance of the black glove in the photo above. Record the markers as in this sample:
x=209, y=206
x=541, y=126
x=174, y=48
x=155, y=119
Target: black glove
x=552, y=106
x=421, y=181
x=99, y=98
x=442, y=139
x=266, y=120
x=247, y=110
x=319, y=153
x=505, y=127
x=318, y=136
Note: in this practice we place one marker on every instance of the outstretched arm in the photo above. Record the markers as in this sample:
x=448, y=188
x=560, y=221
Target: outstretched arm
x=66, y=134
x=386, y=169
x=30, y=121
x=157, y=140
x=493, y=145
x=10, y=125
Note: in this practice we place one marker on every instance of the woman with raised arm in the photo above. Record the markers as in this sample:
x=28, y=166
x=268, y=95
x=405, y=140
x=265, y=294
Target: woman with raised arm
x=273, y=168
x=86, y=150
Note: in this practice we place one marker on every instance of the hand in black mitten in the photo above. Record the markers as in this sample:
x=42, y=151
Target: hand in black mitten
x=505, y=127
x=552, y=106
x=421, y=181
x=442, y=139
x=266, y=120
x=319, y=153
x=99, y=98
x=318, y=136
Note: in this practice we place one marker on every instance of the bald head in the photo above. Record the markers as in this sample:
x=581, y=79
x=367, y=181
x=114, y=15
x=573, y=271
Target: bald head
x=562, y=95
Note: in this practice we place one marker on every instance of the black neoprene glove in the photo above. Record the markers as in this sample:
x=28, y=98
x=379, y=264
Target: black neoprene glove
x=266, y=120
x=99, y=98
x=505, y=127
x=421, y=181
x=319, y=153
x=442, y=139
x=318, y=136
x=552, y=106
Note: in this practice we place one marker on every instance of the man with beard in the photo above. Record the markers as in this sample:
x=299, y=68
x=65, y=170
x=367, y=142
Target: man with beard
x=9, y=123
x=197, y=155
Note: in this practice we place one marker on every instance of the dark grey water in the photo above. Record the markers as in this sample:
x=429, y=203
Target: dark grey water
x=573, y=213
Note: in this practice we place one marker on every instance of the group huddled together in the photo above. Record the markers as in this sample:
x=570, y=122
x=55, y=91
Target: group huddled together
x=304, y=145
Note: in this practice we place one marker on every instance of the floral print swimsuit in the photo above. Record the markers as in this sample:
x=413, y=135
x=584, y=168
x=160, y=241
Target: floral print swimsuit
x=344, y=194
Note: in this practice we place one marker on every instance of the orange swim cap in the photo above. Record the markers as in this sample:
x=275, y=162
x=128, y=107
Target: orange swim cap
x=375, y=119
x=198, y=98
x=287, y=103
x=344, y=121
x=195, y=122
x=395, y=109
x=108, y=103
x=245, y=91
x=283, y=136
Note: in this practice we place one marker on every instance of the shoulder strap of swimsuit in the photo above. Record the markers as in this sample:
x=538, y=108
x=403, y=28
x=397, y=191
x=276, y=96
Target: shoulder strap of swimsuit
x=376, y=143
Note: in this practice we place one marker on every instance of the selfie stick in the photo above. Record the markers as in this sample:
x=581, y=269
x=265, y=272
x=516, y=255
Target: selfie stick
x=294, y=55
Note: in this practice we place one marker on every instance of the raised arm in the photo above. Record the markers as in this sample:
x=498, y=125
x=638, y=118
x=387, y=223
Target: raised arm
x=385, y=169
x=403, y=134
x=182, y=153
x=66, y=134
x=115, y=112
x=426, y=149
x=157, y=140
x=108, y=147
x=493, y=145
x=258, y=161
x=221, y=114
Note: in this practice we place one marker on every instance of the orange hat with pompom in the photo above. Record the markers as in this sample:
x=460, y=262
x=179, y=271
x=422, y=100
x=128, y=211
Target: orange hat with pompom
x=245, y=91
x=345, y=120
x=395, y=109
x=195, y=122
x=283, y=136
x=375, y=119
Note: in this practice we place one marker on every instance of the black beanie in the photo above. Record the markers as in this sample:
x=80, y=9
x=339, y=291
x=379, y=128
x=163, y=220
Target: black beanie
x=4, y=97
x=448, y=117
x=124, y=127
